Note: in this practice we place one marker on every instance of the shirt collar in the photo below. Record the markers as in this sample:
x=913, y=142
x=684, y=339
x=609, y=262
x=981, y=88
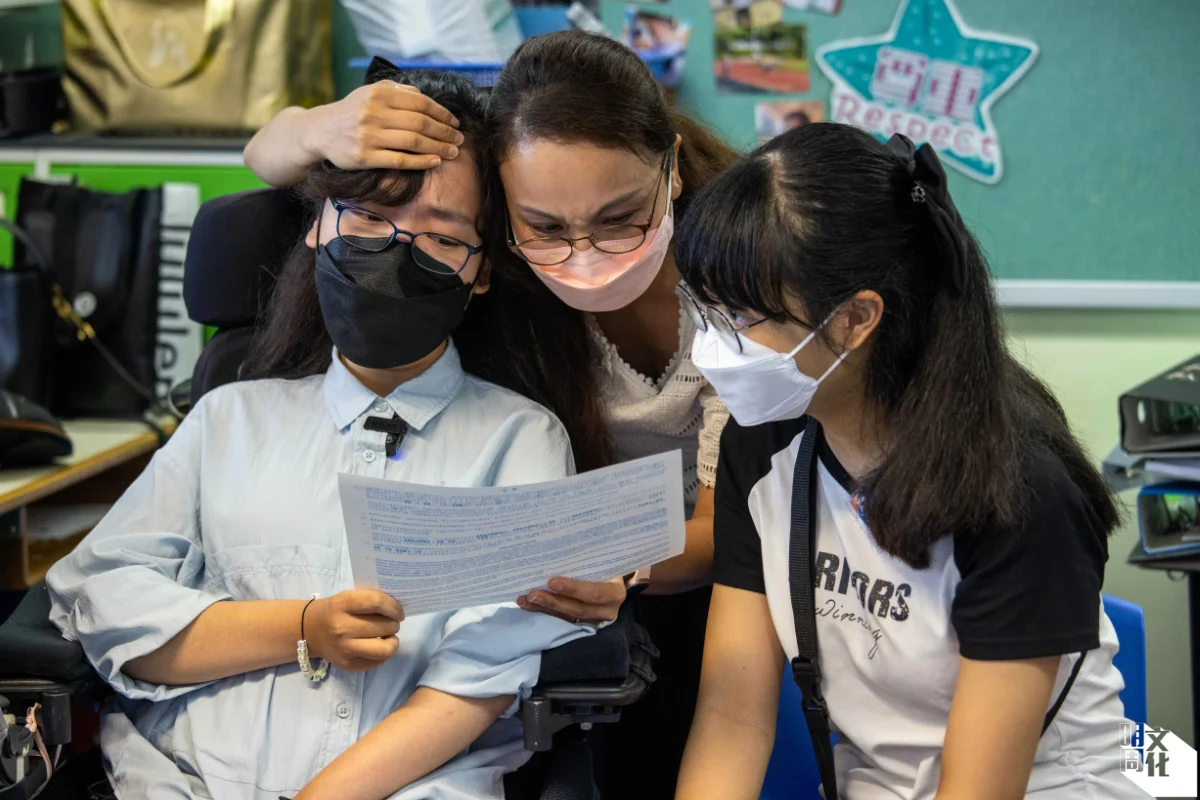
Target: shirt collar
x=416, y=401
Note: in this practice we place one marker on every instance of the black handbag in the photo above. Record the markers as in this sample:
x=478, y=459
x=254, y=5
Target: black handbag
x=101, y=271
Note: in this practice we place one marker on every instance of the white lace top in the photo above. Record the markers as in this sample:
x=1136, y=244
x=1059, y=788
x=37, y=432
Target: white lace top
x=678, y=411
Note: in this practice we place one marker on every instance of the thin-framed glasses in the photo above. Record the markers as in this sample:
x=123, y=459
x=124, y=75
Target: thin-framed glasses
x=703, y=315
x=366, y=230
x=548, y=251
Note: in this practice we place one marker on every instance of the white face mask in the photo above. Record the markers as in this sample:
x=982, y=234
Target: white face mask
x=597, y=281
x=758, y=384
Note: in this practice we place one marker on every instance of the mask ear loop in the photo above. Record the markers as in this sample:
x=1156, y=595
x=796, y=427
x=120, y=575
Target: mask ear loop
x=834, y=365
x=813, y=335
x=814, y=332
x=670, y=202
x=320, y=219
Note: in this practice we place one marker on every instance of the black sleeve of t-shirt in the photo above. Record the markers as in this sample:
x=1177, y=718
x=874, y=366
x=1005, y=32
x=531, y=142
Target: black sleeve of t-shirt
x=737, y=551
x=1033, y=590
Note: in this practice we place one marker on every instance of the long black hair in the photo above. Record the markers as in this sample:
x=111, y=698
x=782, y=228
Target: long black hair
x=571, y=86
x=507, y=335
x=825, y=211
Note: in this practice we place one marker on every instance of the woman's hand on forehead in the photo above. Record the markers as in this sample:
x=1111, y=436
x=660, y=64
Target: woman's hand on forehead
x=386, y=125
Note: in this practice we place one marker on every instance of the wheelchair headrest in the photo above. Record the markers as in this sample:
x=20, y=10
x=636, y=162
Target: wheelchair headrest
x=237, y=246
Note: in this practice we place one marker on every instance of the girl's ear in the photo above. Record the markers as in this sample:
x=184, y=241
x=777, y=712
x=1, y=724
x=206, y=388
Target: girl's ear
x=860, y=317
x=483, y=281
x=676, y=178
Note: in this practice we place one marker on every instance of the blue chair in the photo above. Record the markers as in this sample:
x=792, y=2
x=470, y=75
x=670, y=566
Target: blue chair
x=792, y=772
x=1130, y=660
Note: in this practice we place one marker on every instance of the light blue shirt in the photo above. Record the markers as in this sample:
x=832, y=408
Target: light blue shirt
x=242, y=503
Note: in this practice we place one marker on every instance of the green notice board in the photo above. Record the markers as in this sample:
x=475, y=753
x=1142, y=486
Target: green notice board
x=213, y=181
x=1099, y=138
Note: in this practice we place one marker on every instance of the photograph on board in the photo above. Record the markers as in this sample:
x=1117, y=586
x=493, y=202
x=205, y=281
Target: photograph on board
x=772, y=119
x=754, y=51
x=661, y=40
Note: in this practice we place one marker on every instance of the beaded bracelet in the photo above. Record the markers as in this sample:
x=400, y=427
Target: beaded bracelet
x=306, y=668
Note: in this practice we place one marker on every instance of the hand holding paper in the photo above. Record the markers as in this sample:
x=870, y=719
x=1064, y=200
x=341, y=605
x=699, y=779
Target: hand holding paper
x=437, y=548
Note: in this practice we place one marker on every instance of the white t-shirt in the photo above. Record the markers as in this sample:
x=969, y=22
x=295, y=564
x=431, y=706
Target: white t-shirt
x=891, y=635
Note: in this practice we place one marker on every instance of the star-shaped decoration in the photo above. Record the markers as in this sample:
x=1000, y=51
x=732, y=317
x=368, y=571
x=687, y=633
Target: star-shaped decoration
x=932, y=78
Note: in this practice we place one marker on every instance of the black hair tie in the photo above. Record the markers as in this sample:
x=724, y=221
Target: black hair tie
x=929, y=187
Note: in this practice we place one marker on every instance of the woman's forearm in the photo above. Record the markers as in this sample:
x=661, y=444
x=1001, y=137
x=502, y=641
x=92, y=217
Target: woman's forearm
x=690, y=569
x=228, y=638
x=283, y=152
x=422, y=735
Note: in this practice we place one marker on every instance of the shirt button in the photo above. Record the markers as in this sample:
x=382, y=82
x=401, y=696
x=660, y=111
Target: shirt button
x=381, y=407
x=368, y=456
x=343, y=710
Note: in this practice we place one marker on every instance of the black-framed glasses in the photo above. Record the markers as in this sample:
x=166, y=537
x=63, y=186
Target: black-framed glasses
x=548, y=251
x=366, y=230
x=703, y=315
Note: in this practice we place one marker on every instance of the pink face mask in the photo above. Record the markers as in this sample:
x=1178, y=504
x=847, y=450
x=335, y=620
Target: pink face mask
x=596, y=281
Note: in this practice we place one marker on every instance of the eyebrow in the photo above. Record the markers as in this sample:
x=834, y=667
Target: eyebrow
x=449, y=215
x=625, y=198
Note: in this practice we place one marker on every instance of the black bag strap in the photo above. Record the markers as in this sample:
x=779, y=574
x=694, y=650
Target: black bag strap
x=806, y=666
x=33, y=252
x=1062, y=696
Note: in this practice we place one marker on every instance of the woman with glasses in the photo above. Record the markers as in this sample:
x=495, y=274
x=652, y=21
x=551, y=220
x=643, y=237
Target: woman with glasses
x=902, y=512
x=216, y=596
x=596, y=170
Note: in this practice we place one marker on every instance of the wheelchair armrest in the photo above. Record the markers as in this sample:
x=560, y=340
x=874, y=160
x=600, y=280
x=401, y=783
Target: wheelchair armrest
x=589, y=680
x=38, y=664
x=32, y=648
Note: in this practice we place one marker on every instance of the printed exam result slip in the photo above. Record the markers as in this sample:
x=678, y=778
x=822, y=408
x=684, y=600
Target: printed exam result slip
x=440, y=548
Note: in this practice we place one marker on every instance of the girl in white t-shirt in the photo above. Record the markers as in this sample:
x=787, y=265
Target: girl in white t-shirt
x=960, y=531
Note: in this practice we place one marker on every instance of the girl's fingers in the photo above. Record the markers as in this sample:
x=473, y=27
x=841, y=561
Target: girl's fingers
x=380, y=649
x=570, y=609
x=594, y=592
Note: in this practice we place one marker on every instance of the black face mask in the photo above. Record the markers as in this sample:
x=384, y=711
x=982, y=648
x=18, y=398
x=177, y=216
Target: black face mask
x=381, y=309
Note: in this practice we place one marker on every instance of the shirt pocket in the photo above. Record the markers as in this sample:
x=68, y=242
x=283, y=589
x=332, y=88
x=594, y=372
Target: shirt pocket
x=276, y=572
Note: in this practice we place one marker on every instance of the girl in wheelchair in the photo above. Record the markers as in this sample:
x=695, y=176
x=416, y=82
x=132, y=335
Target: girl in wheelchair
x=191, y=594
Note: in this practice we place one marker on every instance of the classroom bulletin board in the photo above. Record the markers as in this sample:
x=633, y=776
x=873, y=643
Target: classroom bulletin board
x=1100, y=137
